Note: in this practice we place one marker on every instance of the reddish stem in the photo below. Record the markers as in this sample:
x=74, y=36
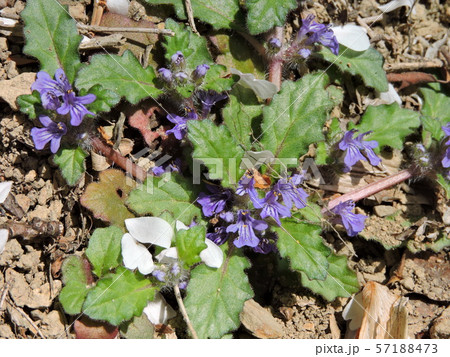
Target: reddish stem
x=371, y=188
x=113, y=155
x=276, y=62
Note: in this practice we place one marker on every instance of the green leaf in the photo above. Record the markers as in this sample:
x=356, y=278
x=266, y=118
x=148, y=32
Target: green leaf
x=138, y=328
x=214, y=81
x=216, y=148
x=106, y=198
x=194, y=48
x=51, y=36
x=295, y=117
x=367, y=64
x=302, y=244
x=123, y=75
x=73, y=270
x=243, y=110
x=436, y=112
x=444, y=183
x=72, y=297
x=71, y=163
x=215, y=297
x=190, y=243
x=340, y=280
x=104, y=101
x=263, y=15
x=171, y=193
x=27, y=104
x=118, y=297
x=104, y=249
x=220, y=15
x=390, y=124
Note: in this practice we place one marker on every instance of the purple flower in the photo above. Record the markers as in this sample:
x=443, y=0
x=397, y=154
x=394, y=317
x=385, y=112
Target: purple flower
x=181, y=77
x=53, y=91
x=290, y=193
x=353, y=223
x=227, y=216
x=353, y=148
x=183, y=285
x=274, y=44
x=214, y=203
x=166, y=74
x=245, y=226
x=219, y=236
x=208, y=99
x=264, y=247
x=274, y=209
x=158, y=170
x=304, y=52
x=246, y=185
x=446, y=159
x=177, y=60
x=160, y=275
x=51, y=132
x=200, y=72
x=180, y=128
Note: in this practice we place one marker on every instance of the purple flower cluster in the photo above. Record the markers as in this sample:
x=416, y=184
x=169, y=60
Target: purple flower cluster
x=446, y=159
x=180, y=128
x=57, y=95
x=312, y=32
x=355, y=147
x=353, y=223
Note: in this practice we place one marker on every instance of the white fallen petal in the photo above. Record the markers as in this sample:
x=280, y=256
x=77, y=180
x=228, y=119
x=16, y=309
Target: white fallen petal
x=262, y=88
x=180, y=226
x=152, y=230
x=135, y=255
x=168, y=256
x=354, y=311
x=5, y=188
x=159, y=311
x=3, y=238
x=118, y=6
x=390, y=96
x=395, y=4
x=212, y=256
x=352, y=36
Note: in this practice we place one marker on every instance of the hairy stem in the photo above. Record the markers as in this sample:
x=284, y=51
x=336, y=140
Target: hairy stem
x=137, y=172
x=276, y=62
x=184, y=312
x=372, y=188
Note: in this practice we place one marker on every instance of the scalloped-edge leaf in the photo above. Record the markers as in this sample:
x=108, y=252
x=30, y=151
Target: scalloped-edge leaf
x=71, y=163
x=216, y=297
x=123, y=75
x=106, y=198
x=72, y=297
x=435, y=110
x=367, y=64
x=302, y=244
x=118, y=297
x=340, y=280
x=51, y=36
x=27, y=104
x=167, y=193
x=262, y=15
x=104, y=101
x=214, y=80
x=295, y=117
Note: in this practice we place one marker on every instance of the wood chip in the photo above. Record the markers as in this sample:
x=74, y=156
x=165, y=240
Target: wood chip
x=259, y=321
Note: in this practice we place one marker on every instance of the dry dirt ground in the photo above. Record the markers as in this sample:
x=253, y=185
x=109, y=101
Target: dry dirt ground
x=30, y=266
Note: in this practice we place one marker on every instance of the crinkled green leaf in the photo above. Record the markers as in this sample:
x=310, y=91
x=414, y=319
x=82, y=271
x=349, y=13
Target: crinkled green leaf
x=367, y=64
x=118, y=297
x=104, y=101
x=194, y=48
x=190, y=243
x=71, y=163
x=435, y=110
x=243, y=110
x=340, y=280
x=106, y=198
x=104, y=249
x=220, y=15
x=73, y=270
x=138, y=328
x=123, y=75
x=72, y=297
x=51, y=36
x=216, y=297
x=390, y=124
x=262, y=15
x=171, y=193
x=436, y=245
x=302, y=244
x=445, y=184
x=214, y=79
x=295, y=117
x=216, y=148
x=27, y=104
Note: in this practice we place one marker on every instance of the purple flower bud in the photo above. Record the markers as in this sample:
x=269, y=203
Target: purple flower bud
x=312, y=32
x=274, y=44
x=208, y=100
x=353, y=148
x=183, y=285
x=160, y=275
x=264, y=247
x=304, y=52
x=214, y=203
x=353, y=223
x=245, y=226
x=181, y=77
x=177, y=60
x=200, y=72
x=51, y=132
x=219, y=236
x=165, y=74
